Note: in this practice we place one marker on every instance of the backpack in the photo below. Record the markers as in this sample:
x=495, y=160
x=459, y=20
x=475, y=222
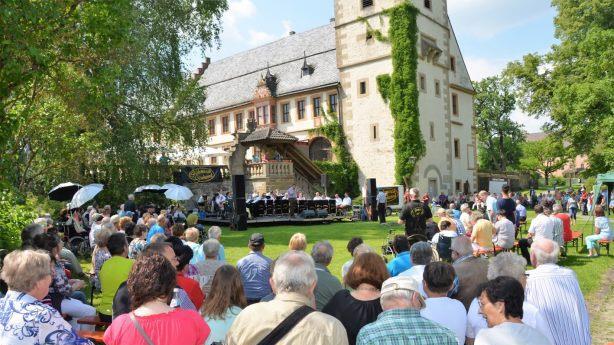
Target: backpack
x=444, y=248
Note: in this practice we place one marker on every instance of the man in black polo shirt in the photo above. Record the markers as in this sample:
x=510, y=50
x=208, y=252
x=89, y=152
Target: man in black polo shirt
x=415, y=214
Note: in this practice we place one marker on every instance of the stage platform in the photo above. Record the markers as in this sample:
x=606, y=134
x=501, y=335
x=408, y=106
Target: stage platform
x=273, y=220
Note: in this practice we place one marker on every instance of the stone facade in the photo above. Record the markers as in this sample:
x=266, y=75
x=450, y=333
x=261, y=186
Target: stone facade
x=345, y=66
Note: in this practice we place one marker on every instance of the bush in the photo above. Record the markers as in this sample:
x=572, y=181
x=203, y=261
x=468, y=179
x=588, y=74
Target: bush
x=342, y=177
x=15, y=214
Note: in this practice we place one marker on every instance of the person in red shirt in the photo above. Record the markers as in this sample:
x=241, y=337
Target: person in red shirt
x=150, y=286
x=558, y=212
x=192, y=287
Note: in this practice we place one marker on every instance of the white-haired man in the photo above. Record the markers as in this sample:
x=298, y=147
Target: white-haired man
x=415, y=214
x=400, y=322
x=294, y=280
x=555, y=291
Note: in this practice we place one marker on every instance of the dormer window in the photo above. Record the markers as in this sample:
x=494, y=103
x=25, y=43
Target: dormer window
x=367, y=3
x=307, y=69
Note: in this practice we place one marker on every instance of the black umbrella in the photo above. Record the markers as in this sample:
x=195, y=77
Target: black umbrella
x=64, y=191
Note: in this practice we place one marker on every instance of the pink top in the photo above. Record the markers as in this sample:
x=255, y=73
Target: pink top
x=178, y=327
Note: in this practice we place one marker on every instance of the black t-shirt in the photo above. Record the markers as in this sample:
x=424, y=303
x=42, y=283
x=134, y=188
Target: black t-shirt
x=509, y=205
x=352, y=313
x=415, y=214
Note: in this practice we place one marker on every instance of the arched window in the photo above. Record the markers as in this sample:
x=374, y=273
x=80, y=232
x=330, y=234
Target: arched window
x=320, y=149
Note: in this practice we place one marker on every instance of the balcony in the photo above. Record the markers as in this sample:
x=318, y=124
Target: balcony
x=272, y=169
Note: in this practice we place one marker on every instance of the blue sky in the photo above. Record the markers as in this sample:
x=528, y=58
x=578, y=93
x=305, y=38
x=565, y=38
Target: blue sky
x=491, y=33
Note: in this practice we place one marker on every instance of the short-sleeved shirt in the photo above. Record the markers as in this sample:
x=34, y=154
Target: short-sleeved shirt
x=509, y=206
x=449, y=313
x=206, y=272
x=508, y=333
x=255, y=274
x=482, y=233
x=220, y=326
x=381, y=198
x=542, y=227
x=604, y=226
x=114, y=272
x=415, y=214
x=491, y=205
x=505, y=233
x=192, y=288
x=178, y=327
x=352, y=313
x=156, y=229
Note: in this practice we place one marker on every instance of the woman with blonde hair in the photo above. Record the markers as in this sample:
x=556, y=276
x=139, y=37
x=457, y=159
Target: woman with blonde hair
x=224, y=302
x=298, y=241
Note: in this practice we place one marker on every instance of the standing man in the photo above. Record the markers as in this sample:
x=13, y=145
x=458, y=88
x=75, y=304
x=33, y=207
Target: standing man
x=381, y=206
x=130, y=205
x=507, y=204
x=491, y=207
x=292, y=199
x=415, y=214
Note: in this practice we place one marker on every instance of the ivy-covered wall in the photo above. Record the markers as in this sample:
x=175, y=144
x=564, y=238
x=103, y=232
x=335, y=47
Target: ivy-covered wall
x=400, y=88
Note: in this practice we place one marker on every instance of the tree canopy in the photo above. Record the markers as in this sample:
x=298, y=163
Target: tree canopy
x=92, y=89
x=544, y=156
x=499, y=137
x=574, y=82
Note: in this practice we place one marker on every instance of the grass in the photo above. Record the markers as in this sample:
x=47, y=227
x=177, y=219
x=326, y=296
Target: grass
x=589, y=271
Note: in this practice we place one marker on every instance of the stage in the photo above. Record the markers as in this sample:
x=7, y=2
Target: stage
x=275, y=220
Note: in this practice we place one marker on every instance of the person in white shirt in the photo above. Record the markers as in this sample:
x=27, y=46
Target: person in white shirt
x=505, y=232
x=602, y=232
x=555, y=291
x=509, y=265
x=501, y=304
x=96, y=226
x=347, y=201
x=541, y=227
x=317, y=196
x=521, y=210
x=420, y=255
x=444, y=231
x=491, y=204
x=450, y=313
x=357, y=248
x=465, y=217
x=338, y=200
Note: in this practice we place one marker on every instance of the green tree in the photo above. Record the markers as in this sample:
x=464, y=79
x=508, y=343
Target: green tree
x=574, y=82
x=544, y=156
x=499, y=137
x=97, y=90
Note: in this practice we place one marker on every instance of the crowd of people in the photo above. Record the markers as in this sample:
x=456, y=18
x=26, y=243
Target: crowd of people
x=161, y=283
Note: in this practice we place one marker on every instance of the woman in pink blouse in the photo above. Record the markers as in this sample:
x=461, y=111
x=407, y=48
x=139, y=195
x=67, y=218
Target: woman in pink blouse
x=153, y=321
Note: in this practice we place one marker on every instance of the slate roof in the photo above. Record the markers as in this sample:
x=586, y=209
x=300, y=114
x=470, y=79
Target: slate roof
x=233, y=80
x=268, y=134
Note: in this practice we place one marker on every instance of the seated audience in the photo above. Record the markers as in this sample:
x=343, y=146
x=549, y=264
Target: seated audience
x=400, y=322
x=150, y=285
x=443, y=240
x=72, y=302
x=101, y=253
x=470, y=270
x=294, y=281
x=505, y=231
x=481, y=233
x=178, y=230
x=362, y=305
x=206, y=269
x=224, y=303
x=450, y=313
x=191, y=240
x=189, y=285
x=352, y=244
x=509, y=265
x=500, y=303
x=138, y=243
x=215, y=232
x=254, y=270
x=25, y=319
x=327, y=285
x=557, y=226
x=602, y=232
x=456, y=223
x=421, y=254
x=554, y=290
x=443, y=215
x=541, y=227
x=113, y=272
x=158, y=228
x=401, y=262
x=298, y=241
x=564, y=217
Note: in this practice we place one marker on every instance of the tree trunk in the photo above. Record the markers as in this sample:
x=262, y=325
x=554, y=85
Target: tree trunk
x=502, y=163
x=546, y=174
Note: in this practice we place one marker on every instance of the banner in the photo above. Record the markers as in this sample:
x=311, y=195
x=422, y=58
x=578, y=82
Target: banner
x=198, y=174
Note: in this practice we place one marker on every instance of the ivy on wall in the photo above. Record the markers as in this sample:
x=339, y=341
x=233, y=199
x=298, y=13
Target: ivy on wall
x=342, y=174
x=401, y=90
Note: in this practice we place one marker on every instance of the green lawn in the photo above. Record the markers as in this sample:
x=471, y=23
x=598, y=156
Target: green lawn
x=589, y=271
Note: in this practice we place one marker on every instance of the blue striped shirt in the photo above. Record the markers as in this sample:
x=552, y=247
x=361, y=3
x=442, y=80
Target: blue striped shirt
x=554, y=290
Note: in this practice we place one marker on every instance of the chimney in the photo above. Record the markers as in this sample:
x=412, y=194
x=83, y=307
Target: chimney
x=203, y=66
x=291, y=32
x=332, y=20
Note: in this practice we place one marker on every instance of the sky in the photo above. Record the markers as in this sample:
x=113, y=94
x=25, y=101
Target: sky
x=491, y=33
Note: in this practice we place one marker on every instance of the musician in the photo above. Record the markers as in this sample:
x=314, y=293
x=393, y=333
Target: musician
x=338, y=200
x=300, y=196
x=346, y=203
x=318, y=196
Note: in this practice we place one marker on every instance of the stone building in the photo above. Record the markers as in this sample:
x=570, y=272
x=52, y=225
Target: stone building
x=287, y=83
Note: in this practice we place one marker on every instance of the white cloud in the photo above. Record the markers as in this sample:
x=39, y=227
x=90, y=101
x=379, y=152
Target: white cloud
x=529, y=123
x=484, y=19
x=480, y=68
x=237, y=10
x=257, y=38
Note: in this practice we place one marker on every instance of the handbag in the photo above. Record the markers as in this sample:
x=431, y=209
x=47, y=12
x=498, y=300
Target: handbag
x=286, y=325
x=140, y=329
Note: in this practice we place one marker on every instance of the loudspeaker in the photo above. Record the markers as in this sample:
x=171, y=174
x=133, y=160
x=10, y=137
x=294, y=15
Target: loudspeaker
x=371, y=195
x=308, y=214
x=239, y=216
